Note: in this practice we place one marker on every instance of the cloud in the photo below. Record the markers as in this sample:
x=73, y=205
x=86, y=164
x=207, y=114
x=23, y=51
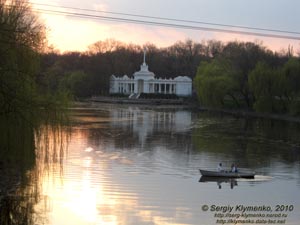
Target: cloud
x=274, y=44
x=100, y=7
x=76, y=34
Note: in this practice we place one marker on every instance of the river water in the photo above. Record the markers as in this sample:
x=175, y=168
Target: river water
x=122, y=164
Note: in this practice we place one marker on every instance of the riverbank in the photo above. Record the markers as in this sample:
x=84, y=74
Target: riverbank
x=191, y=104
x=252, y=114
x=122, y=100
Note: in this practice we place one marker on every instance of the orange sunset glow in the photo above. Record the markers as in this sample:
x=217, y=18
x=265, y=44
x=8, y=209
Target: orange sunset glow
x=68, y=33
x=138, y=112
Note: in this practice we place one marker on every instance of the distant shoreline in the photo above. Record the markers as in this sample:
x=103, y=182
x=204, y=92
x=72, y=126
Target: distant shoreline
x=120, y=100
x=183, y=103
x=244, y=113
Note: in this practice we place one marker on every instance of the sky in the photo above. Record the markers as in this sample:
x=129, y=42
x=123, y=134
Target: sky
x=67, y=33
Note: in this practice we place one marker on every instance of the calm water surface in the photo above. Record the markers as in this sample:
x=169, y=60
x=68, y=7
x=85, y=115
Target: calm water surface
x=139, y=165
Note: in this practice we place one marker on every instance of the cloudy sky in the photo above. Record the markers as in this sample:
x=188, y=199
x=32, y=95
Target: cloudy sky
x=68, y=33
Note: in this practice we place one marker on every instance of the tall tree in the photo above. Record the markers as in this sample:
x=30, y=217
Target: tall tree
x=291, y=72
x=267, y=85
x=22, y=37
x=214, y=82
x=243, y=57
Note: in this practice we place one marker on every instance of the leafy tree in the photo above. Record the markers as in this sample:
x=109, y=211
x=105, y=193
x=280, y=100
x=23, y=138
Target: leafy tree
x=22, y=37
x=213, y=82
x=243, y=57
x=222, y=78
x=291, y=72
x=266, y=85
x=76, y=83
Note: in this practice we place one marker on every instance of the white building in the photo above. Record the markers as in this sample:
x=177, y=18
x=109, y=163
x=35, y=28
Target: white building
x=144, y=81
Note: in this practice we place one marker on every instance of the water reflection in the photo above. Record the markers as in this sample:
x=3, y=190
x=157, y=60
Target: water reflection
x=219, y=180
x=145, y=123
x=27, y=152
x=139, y=165
x=233, y=182
x=99, y=177
x=249, y=142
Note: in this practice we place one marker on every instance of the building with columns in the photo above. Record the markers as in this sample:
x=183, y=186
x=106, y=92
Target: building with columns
x=144, y=81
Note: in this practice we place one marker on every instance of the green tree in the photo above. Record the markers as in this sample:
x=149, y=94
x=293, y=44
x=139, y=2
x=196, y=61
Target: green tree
x=243, y=57
x=213, y=83
x=76, y=83
x=291, y=72
x=265, y=83
x=22, y=37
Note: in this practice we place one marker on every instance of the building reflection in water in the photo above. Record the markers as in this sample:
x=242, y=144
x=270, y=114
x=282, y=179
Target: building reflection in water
x=145, y=123
x=129, y=165
x=93, y=188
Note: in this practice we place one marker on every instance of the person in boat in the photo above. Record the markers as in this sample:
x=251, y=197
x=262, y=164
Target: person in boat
x=220, y=168
x=233, y=168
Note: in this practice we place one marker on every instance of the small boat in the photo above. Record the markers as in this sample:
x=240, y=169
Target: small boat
x=240, y=174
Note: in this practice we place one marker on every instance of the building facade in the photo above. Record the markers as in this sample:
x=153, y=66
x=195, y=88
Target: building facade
x=144, y=81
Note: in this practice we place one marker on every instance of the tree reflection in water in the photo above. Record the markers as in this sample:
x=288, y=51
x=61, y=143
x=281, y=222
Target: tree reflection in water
x=29, y=149
x=243, y=138
x=123, y=161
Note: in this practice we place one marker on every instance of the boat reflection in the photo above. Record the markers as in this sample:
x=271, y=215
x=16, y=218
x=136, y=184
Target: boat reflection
x=219, y=180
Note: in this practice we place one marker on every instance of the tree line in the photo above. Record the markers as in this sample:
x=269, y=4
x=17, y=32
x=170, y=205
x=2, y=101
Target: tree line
x=236, y=74
x=22, y=41
x=88, y=73
x=22, y=99
x=249, y=76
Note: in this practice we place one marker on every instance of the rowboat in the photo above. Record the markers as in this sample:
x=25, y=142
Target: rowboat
x=240, y=174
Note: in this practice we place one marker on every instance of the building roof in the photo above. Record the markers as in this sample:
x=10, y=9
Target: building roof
x=183, y=78
x=144, y=73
